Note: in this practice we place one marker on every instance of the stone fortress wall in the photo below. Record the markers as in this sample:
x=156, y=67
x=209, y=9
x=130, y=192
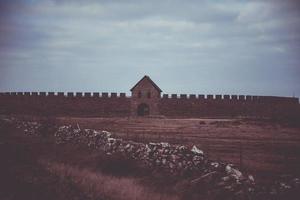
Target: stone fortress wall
x=65, y=104
x=227, y=105
x=119, y=105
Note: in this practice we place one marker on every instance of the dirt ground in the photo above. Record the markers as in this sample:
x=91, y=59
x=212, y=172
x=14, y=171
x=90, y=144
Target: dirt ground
x=262, y=147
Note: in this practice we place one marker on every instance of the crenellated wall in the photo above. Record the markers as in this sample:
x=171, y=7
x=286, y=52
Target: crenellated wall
x=226, y=105
x=61, y=104
x=232, y=98
x=118, y=104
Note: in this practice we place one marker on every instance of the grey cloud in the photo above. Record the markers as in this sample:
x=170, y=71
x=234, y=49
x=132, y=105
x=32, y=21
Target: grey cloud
x=212, y=45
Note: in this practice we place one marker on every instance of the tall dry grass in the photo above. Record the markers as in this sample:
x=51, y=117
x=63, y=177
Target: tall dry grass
x=97, y=185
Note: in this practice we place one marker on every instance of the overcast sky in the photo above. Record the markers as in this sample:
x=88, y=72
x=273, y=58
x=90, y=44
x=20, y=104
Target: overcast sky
x=201, y=47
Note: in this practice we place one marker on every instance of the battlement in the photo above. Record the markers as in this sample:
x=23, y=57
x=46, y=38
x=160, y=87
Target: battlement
x=146, y=99
x=64, y=94
x=199, y=97
x=232, y=98
x=170, y=105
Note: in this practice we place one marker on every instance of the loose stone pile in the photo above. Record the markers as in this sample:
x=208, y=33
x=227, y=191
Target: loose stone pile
x=173, y=159
x=29, y=128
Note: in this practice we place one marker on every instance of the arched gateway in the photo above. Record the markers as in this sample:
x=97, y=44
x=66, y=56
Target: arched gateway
x=145, y=97
x=143, y=110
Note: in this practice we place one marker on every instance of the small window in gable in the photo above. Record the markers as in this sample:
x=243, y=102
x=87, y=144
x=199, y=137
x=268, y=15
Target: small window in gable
x=139, y=94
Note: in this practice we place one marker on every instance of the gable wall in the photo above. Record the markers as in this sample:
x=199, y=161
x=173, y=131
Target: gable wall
x=145, y=86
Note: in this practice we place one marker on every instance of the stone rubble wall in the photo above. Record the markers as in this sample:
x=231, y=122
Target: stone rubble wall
x=177, y=160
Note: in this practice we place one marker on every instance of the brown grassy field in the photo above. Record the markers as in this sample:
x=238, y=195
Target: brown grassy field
x=36, y=168
x=259, y=146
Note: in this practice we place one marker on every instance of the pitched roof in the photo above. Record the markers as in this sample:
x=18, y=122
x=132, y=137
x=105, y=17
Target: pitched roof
x=149, y=79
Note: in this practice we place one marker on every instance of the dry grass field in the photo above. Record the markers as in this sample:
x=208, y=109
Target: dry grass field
x=38, y=168
x=262, y=147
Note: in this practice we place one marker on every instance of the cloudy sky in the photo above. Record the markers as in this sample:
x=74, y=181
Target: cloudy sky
x=202, y=47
